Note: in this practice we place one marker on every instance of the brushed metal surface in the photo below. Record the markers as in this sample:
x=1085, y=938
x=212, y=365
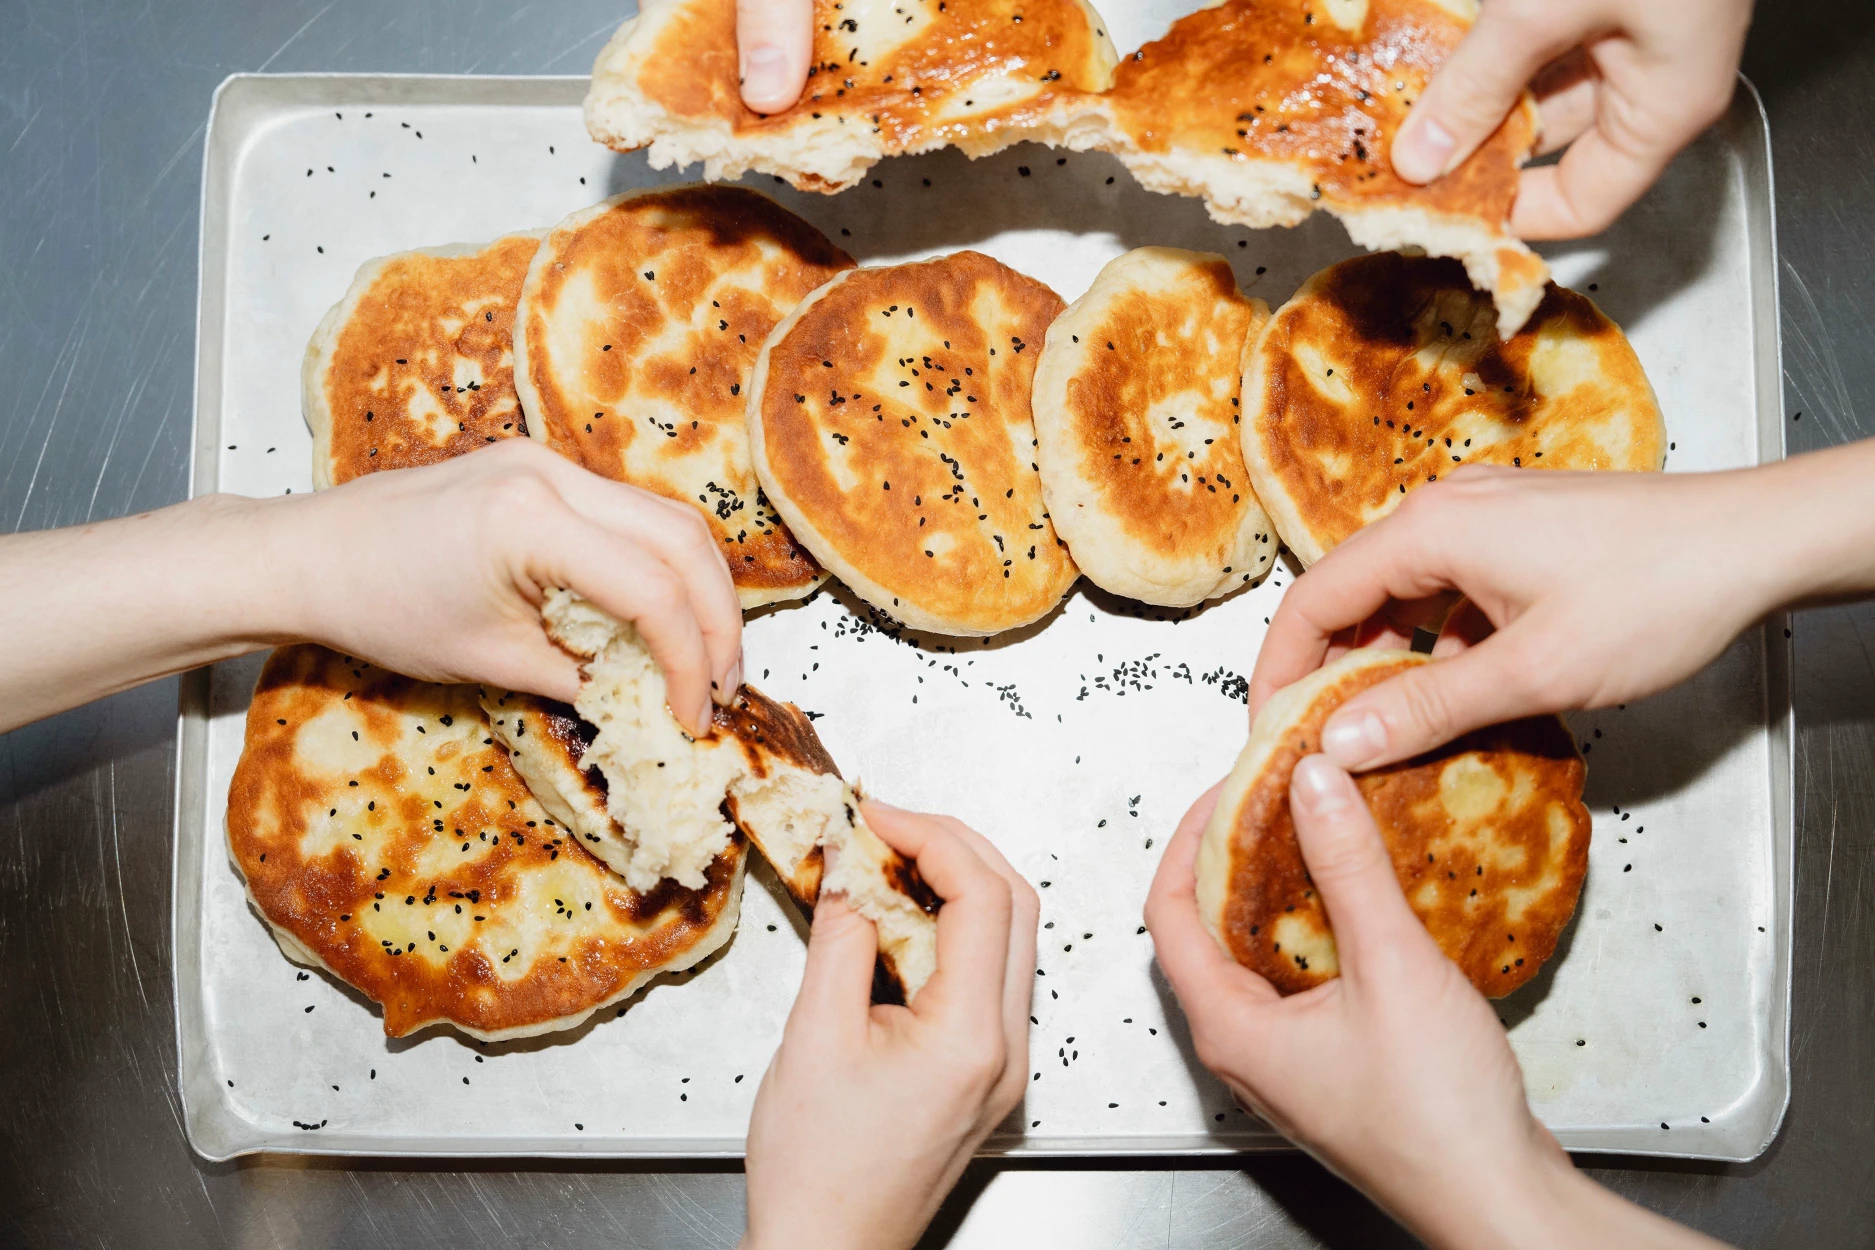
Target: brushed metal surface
x=101, y=110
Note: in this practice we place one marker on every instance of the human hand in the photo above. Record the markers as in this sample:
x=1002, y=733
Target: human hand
x=1396, y=1075
x=438, y=573
x=1623, y=86
x=867, y=1115
x=1600, y=587
x=774, y=41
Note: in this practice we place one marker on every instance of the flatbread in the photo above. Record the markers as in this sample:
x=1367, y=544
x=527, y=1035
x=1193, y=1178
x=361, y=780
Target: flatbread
x=890, y=424
x=1266, y=109
x=888, y=77
x=546, y=742
x=1383, y=374
x=673, y=797
x=1489, y=838
x=1137, y=412
x=1270, y=109
x=384, y=837
x=639, y=326
x=416, y=364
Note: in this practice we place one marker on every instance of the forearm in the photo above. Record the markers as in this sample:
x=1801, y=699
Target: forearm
x=1550, y=1206
x=99, y=608
x=1818, y=515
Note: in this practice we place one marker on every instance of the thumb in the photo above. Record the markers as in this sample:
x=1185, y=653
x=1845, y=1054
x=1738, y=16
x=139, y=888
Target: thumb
x=774, y=42
x=836, y=988
x=1429, y=705
x=1349, y=863
x=1475, y=90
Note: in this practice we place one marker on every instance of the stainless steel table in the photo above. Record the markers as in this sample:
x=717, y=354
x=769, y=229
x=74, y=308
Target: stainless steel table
x=102, y=106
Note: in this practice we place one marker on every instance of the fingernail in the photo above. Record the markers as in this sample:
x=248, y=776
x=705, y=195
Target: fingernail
x=726, y=693
x=1318, y=787
x=1423, y=150
x=1354, y=739
x=884, y=806
x=706, y=718
x=764, y=72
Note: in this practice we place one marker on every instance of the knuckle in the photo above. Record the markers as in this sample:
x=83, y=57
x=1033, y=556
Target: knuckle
x=520, y=494
x=982, y=1059
x=659, y=594
x=1347, y=852
x=1534, y=684
x=1205, y=1045
x=1423, y=702
x=1523, y=22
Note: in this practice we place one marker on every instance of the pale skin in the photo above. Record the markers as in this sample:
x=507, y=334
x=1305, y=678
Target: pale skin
x=868, y=1115
x=437, y=573
x=1582, y=590
x=1622, y=86
x=1396, y=1075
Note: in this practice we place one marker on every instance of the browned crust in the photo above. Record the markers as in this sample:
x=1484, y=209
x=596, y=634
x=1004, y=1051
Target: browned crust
x=770, y=731
x=1268, y=879
x=399, y=334
x=268, y=805
x=1368, y=317
x=936, y=454
x=694, y=72
x=571, y=735
x=688, y=238
x=1277, y=79
x=1131, y=364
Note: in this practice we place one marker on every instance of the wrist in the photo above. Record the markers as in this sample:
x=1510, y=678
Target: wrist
x=1820, y=500
x=256, y=551
x=1528, y=1197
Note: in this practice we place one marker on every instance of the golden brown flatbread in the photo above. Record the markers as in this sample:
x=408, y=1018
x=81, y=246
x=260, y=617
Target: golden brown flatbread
x=1489, y=838
x=1266, y=109
x=638, y=331
x=890, y=425
x=384, y=836
x=1384, y=374
x=887, y=77
x=1137, y=412
x=416, y=364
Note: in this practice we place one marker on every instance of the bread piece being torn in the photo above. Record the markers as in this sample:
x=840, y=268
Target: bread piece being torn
x=674, y=801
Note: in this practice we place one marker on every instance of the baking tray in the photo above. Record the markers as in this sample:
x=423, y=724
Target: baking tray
x=1661, y=1026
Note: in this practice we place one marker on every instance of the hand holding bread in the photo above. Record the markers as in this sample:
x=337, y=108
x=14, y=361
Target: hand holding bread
x=1622, y=86
x=504, y=525
x=1586, y=590
x=868, y=1114
x=1397, y=1074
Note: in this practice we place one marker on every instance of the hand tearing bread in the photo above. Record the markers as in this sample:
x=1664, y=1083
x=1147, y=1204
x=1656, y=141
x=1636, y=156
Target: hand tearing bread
x=1266, y=109
x=672, y=797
